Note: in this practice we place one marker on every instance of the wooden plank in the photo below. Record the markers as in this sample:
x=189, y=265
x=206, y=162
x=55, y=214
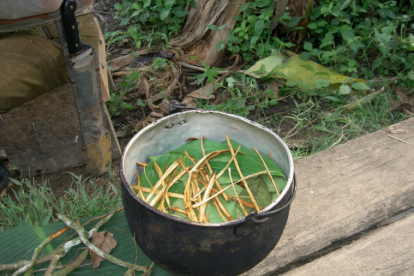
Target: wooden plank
x=345, y=190
x=387, y=251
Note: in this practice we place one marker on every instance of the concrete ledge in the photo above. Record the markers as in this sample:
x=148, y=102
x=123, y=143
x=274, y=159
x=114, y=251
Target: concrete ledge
x=345, y=190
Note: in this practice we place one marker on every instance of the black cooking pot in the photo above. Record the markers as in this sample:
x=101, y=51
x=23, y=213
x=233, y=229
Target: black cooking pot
x=183, y=247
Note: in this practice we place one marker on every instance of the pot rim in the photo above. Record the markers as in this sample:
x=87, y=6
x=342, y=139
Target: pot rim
x=127, y=185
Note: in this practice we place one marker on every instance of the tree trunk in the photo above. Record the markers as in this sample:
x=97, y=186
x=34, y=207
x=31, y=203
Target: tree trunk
x=198, y=40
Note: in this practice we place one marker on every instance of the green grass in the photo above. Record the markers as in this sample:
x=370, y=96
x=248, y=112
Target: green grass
x=323, y=128
x=36, y=203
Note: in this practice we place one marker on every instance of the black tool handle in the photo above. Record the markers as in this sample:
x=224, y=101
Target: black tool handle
x=70, y=26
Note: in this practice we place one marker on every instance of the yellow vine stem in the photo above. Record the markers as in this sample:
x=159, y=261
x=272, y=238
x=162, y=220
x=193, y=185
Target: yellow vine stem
x=237, y=195
x=268, y=172
x=161, y=180
x=246, y=186
x=139, y=186
x=211, y=171
x=206, y=194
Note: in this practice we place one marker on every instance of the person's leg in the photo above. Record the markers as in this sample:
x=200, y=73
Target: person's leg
x=34, y=65
x=31, y=66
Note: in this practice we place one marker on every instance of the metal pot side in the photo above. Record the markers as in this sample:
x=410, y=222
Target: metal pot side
x=188, y=248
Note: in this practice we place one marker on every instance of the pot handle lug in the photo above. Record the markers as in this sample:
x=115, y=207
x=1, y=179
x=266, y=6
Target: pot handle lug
x=259, y=218
x=263, y=217
x=249, y=226
x=175, y=106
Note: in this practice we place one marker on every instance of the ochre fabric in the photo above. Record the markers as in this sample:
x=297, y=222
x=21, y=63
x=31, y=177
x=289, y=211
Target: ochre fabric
x=32, y=65
x=17, y=15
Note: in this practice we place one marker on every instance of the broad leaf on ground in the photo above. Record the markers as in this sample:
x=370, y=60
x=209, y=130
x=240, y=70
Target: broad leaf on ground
x=304, y=73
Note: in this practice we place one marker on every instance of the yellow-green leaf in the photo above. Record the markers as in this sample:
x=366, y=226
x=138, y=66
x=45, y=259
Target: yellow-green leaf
x=304, y=73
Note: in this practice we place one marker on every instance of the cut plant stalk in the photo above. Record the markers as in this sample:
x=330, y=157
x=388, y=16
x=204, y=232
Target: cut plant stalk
x=223, y=209
x=268, y=172
x=146, y=177
x=237, y=195
x=206, y=194
x=162, y=193
x=251, y=176
x=141, y=164
x=139, y=186
x=233, y=198
x=197, y=198
x=162, y=179
x=211, y=171
x=176, y=209
x=148, y=190
x=187, y=199
x=246, y=186
x=213, y=196
x=228, y=164
x=223, y=217
x=159, y=170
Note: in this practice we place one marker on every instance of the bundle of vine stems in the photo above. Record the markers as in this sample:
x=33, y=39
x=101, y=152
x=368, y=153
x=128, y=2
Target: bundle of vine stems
x=207, y=181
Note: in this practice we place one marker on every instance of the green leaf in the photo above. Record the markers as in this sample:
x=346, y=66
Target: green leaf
x=307, y=46
x=140, y=103
x=194, y=148
x=253, y=41
x=220, y=46
x=210, y=75
x=118, y=6
x=213, y=27
x=312, y=26
x=259, y=27
x=382, y=37
x=241, y=103
x=332, y=98
x=244, y=7
x=147, y=3
x=125, y=21
x=355, y=45
x=322, y=74
x=193, y=4
x=180, y=13
x=410, y=75
x=348, y=35
x=259, y=189
x=327, y=40
x=164, y=13
x=168, y=4
x=322, y=83
x=294, y=21
x=302, y=72
x=28, y=238
x=360, y=86
x=344, y=89
x=305, y=55
x=346, y=4
x=308, y=67
x=261, y=71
